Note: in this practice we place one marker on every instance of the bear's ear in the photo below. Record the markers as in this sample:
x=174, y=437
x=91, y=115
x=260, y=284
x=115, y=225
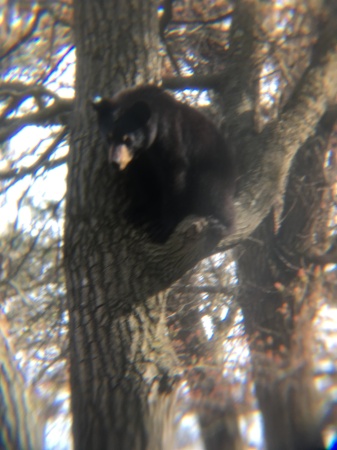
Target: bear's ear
x=105, y=116
x=95, y=103
x=138, y=115
x=102, y=105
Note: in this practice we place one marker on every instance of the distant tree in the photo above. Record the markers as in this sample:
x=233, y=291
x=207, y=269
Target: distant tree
x=21, y=423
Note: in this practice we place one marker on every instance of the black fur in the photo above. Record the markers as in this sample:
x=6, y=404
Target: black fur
x=179, y=162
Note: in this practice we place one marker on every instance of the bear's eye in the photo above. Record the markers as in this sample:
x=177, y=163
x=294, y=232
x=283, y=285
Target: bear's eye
x=126, y=139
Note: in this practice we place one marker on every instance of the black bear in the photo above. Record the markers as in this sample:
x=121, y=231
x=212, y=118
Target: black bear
x=174, y=159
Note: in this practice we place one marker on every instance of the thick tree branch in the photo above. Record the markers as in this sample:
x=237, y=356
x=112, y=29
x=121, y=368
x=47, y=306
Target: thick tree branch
x=306, y=201
x=278, y=143
x=17, y=89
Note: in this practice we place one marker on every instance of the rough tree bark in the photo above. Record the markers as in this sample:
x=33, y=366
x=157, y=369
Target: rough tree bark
x=118, y=342
x=279, y=292
x=123, y=368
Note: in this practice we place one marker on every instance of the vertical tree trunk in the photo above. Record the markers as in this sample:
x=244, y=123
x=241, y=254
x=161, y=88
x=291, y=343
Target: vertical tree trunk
x=118, y=339
x=279, y=294
x=281, y=348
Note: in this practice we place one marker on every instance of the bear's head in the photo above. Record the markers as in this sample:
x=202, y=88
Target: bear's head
x=128, y=129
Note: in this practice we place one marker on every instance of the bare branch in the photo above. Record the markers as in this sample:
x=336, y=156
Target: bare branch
x=195, y=82
x=166, y=17
x=19, y=92
x=209, y=289
x=330, y=257
x=26, y=35
x=17, y=88
x=203, y=22
x=55, y=66
x=42, y=161
x=56, y=114
x=164, y=21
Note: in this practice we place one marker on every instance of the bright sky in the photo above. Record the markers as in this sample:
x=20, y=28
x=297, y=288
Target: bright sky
x=50, y=186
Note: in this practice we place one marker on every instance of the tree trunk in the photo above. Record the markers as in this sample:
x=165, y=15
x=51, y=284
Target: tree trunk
x=279, y=292
x=118, y=339
x=278, y=324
